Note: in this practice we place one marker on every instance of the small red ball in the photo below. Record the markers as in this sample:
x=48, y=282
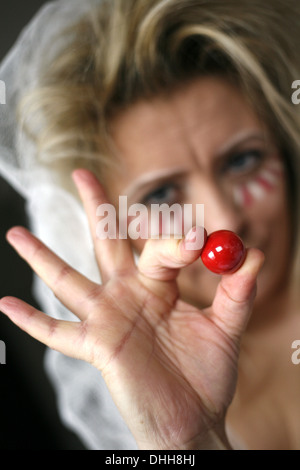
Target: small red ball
x=223, y=252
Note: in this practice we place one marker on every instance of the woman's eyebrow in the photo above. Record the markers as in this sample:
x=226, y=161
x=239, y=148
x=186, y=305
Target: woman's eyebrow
x=150, y=177
x=242, y=138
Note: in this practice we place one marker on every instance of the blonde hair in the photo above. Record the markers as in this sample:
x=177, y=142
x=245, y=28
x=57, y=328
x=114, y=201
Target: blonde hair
x=125, y=50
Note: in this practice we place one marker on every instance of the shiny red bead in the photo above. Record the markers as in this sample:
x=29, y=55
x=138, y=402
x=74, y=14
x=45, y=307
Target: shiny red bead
x=223, y=252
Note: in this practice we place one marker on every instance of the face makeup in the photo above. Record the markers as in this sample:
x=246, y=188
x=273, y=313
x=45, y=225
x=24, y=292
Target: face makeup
x=257, y=188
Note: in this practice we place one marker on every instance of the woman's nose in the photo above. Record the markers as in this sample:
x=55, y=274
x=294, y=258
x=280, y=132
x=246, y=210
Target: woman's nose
x=220, y=212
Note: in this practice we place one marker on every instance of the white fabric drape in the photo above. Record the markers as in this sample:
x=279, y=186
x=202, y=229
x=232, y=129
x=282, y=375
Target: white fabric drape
x=55, y=216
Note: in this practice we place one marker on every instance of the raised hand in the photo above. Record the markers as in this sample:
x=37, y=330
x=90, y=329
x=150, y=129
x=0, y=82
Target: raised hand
x=171, y=368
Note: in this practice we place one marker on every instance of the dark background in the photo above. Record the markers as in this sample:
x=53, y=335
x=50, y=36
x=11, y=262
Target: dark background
x=28, y=416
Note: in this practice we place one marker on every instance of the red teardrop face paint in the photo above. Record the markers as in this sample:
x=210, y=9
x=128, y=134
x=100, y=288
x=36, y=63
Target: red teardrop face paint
x=258, y=187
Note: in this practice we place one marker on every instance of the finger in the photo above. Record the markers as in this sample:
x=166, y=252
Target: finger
x=235, y=295
x=72, y=288
x=113, y=255
x=65, y=337
x=162, y=259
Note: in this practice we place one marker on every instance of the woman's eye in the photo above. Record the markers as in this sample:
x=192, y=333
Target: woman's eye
x=166, y=194
x=244, y=162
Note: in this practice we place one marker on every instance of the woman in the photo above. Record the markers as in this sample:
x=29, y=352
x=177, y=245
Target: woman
x=166, y=102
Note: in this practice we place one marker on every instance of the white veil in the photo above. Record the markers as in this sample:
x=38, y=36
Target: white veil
x=55, y=216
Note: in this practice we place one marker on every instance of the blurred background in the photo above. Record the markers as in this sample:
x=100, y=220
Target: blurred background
x=28, y=415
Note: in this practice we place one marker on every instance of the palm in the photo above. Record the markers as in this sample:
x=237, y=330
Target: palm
x=170, y=368
x=167, y=357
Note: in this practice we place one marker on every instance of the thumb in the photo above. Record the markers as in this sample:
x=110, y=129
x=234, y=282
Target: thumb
x=233, y=302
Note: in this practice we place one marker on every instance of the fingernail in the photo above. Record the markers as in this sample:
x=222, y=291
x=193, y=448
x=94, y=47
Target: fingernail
x=191, y=235
x=195, y=238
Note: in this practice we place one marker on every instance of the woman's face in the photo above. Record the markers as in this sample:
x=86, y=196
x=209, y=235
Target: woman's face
x=203, y=144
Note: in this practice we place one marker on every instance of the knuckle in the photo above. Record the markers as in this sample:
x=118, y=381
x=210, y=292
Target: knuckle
x=52, y=328
x=164, y=248
x=64, y=272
